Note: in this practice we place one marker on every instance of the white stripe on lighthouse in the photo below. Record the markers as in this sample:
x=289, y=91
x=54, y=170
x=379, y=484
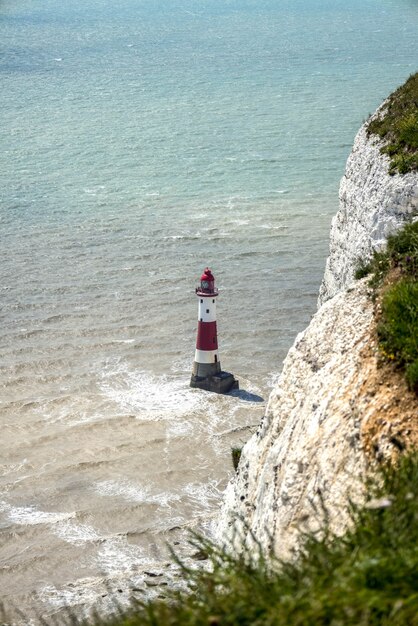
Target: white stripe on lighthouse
x=206, y=356
x=207, y=310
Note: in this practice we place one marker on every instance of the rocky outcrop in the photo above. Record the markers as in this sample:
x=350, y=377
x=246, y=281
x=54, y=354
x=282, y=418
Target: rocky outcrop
x=373, y=205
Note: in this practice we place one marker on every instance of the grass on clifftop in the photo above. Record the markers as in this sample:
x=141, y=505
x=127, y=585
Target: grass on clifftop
x=398, y=127
x=367, y=577
x=398, y=319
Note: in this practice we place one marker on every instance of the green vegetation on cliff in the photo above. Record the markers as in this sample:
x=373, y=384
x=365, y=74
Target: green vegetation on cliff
x=397, y=125
x=395, y=272
x=398, y=328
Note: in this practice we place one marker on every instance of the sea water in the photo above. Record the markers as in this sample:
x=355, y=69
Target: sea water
x=142, y=141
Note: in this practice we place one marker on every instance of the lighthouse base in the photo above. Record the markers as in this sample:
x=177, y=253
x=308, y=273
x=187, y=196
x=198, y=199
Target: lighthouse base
x=222, y=382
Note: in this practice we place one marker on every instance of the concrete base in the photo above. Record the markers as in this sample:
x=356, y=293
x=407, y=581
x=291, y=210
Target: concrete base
x=220, y=383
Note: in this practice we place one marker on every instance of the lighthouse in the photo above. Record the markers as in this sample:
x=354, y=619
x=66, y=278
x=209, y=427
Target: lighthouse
x=207, y=373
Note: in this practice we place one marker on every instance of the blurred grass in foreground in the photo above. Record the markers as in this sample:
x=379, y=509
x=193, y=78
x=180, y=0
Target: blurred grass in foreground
x=368, y=576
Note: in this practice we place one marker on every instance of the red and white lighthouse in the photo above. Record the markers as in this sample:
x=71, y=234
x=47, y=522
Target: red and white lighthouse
x=207, y=373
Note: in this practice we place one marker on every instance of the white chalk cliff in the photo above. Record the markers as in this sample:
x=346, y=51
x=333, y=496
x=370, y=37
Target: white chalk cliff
x=373, y=205
x=309, y=454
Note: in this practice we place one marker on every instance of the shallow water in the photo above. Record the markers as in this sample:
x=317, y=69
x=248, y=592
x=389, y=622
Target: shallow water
x=143, y=142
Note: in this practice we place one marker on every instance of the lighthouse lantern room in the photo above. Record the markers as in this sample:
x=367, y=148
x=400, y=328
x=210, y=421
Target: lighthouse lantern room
x=207, y=373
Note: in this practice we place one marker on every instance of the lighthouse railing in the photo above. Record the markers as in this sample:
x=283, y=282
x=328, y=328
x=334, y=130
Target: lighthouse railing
x=207, y=292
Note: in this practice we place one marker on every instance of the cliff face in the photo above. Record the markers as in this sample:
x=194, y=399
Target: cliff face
x=307, y=447
x=334, y=409
x=373, y=205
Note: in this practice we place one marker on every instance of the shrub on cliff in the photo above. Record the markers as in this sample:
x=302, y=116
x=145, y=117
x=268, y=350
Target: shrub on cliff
x=397, y=125
x=398, y=317
x=401, y=252
x=398, y=328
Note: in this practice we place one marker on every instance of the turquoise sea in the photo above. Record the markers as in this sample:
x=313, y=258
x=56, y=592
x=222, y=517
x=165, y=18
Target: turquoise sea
x=141, y=141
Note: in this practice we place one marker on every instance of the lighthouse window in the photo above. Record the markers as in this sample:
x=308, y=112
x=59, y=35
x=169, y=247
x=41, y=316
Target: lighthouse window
x=207, y=310
x=213, y=301
x=201, y=302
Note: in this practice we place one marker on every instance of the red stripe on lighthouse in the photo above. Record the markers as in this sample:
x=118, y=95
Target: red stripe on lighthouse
x=206, y=336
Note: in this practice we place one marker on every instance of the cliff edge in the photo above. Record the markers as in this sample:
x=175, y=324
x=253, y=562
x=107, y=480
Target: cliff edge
x=336, y=408
x=372, y=205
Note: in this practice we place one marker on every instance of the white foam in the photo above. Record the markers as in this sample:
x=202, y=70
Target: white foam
x=124, y=341
x=273, y=379
x=239, y=222
x=134, y=493
x=84, y=591
x=68, y=410
x=5, y=470
x=127, y=491
x=155, y=397
x=206, y=496
x=117, y=556
x=185, y=236
x=76, y=534
x=30, y=516
x=61, y=523
x=179, y=428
